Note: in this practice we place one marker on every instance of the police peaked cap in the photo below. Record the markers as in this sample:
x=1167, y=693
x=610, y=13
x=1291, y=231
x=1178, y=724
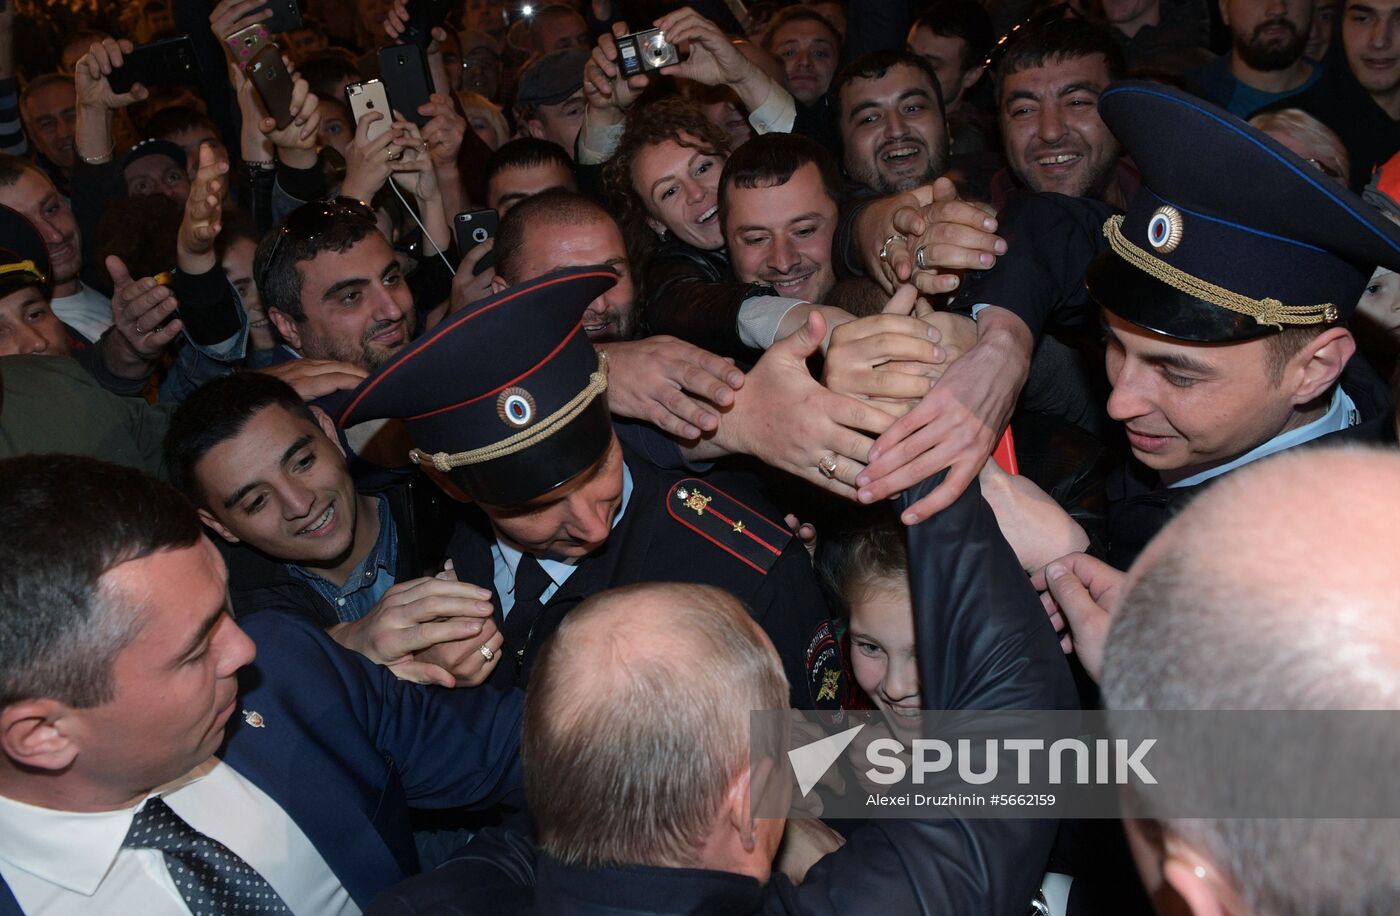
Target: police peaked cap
x=24, y=256
x=1231, y=236
x=507, y=396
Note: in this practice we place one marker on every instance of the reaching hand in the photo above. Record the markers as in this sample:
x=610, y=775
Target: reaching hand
x=203, y=214
x=300, y=132
x=789, y=420
x=316, y=378
x=890, y=359
x=413, y=168
x=468, y=286
x=1087, y=591
x=711, y=57
x=1035, y=526
x=671, y=384
x=90, y=76
x=444, y=131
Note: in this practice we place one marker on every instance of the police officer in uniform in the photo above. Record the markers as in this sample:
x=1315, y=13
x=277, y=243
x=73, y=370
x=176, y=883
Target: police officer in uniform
x=506, y=403
x=1226, y=288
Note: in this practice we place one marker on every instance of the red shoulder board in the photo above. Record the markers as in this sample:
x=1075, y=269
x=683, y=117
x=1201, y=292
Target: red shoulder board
x=730, y=525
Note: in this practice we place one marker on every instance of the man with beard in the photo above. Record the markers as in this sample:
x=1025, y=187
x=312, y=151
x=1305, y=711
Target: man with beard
x=1047, y=85
x=1265, y=62
x=333, y=287
x=890, y=114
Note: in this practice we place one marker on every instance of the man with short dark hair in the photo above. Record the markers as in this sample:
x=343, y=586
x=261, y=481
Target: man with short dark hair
x=778, y=200
x=953, y=37
x=1047, y=83
x=559, y=229
x=556, y=27
x=1265, y=63
x=333, y=287
x=268, y=476
x=526, y=166
x=890, y=114
x=176, y=784
x=1168, y=36
x=809, y=47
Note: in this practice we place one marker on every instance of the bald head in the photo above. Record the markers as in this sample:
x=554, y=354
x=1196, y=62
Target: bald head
x=1274, y=590
x=1285, y=572
x=636, y=722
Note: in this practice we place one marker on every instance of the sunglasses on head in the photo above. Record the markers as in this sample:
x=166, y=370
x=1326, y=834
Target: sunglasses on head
x=310, y=220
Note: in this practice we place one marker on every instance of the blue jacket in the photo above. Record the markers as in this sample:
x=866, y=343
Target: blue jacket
x=345, y=748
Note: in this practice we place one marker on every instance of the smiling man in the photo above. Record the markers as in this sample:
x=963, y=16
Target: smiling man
x=333, y=288
x=1047, y=85
x=890, y=114
x=268, y=476
x=778, y=199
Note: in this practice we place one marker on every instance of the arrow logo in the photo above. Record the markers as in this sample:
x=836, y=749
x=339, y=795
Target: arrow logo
x=811, y=761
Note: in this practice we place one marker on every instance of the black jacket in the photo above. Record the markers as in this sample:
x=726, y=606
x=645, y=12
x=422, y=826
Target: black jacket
x=423, y=519
x=692, y=294
x=987, y=645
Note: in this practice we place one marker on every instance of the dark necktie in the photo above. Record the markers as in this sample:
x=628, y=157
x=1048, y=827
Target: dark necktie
x=530, y=582
x=211, y=877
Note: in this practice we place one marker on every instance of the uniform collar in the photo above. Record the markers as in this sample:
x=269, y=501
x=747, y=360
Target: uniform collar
x=1341, y=414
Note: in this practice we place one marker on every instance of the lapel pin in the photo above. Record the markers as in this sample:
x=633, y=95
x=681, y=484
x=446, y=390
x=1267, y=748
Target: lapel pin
x=254, y=718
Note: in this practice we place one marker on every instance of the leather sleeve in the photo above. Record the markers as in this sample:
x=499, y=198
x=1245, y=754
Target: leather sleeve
x=984, y=643
x=688, y=299
x=1050, y=241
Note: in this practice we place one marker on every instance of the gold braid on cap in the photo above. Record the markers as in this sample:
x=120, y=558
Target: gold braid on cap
x=597, y=384
x=1264, y=311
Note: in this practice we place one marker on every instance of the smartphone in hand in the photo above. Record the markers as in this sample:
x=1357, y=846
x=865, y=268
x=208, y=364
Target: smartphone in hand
x=472, y=228
x=168, y=62
x=404, y=71
x=273, y=83
x=362, y=98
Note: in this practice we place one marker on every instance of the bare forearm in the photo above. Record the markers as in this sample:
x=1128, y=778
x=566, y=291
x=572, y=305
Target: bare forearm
x=92, y=136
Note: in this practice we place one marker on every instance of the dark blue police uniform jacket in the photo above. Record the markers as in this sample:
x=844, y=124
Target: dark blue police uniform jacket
x=345, y=747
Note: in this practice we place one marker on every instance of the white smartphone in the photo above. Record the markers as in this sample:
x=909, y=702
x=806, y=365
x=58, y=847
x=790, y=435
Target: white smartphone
x=366, y=97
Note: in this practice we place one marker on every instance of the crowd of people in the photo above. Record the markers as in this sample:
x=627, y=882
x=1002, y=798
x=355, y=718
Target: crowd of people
x=404, y=510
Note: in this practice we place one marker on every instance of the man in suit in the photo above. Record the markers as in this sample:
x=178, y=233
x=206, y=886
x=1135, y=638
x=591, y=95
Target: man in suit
x=149, y=765
x=505, y=403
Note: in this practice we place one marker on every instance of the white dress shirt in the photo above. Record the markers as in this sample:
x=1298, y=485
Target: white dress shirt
x=68, y=862
x=87, y=311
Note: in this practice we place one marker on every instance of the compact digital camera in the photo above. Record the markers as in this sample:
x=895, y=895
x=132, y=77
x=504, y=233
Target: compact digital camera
x=643, y=51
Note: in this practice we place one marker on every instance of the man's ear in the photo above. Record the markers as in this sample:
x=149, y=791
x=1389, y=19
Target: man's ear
x=738, y=811
x=1225, y=13
x=1196, y=882
x=218, y=527
x=35, y=733
x=1320, y=363
x=535, y=128
x=328, y=427
x=499, y=283
x=970, y=78
x=285, y=326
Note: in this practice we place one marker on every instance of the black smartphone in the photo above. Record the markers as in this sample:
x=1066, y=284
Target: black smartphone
x=273, y=84
x=286, y=16
x=474, y=227
x=168, y=62
x=423, y=17
x=404, y=71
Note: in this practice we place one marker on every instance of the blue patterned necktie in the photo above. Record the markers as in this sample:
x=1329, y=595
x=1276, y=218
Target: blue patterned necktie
x=211, y=877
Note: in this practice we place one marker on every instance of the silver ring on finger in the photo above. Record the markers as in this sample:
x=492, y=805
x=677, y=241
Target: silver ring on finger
x=827, y=465
x=487, y=653
x=919, y=258
x=885, y=248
